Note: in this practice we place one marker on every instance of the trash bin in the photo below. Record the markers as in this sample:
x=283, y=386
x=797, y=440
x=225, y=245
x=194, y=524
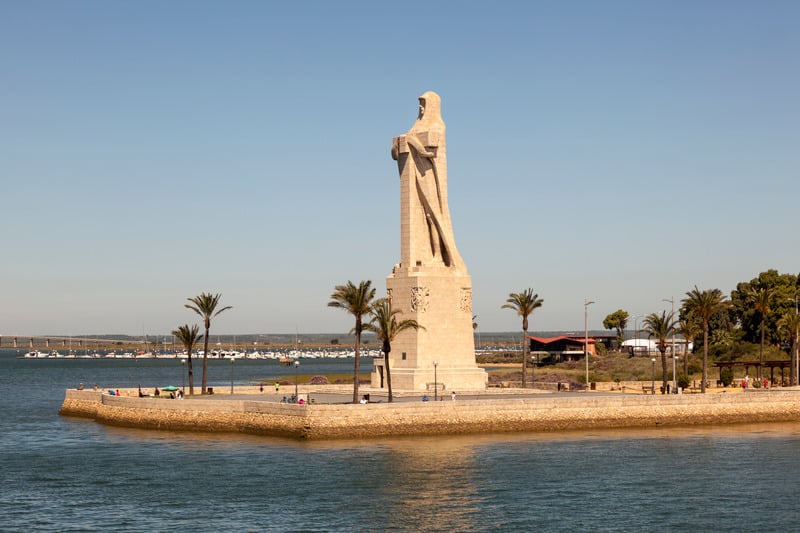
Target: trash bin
x=593, y=386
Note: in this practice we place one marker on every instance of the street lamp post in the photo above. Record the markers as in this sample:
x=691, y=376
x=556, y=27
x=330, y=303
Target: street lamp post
x=435, y=381
x=183, y=376
x=636, y=332
x=653, y=378
x=672, y=319
x=586, y=304
x=296, y=368
x=232, y=360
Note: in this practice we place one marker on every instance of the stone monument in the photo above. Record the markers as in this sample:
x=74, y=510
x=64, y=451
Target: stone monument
x=430, y=284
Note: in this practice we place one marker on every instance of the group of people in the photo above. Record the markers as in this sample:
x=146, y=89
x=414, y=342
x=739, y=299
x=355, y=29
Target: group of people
x=157, y=393
x=746, y=382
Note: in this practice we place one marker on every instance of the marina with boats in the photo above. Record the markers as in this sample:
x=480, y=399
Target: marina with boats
x=284, y=356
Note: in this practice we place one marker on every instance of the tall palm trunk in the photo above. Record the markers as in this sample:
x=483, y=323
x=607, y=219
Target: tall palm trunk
x=357, y=364
x=686, y=359
x=191, y=373
x=761, y=349
x=386, y=349
x=663, y=351
x=795, y=347
x=525, y=352
x=205, y=357
x=705, y=357
x=525, y=358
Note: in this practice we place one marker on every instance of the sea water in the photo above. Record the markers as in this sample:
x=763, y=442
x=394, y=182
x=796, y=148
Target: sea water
x=67, y=474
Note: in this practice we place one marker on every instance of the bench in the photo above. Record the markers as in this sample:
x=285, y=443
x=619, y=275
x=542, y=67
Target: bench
x=647, y=389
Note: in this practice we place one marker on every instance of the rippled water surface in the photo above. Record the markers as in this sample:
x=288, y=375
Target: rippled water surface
x=65, y=474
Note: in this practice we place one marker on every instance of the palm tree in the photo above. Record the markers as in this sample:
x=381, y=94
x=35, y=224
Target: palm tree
x=704, y=305
x=188, y=337
x=205, y=305
x=524, y=303
x=475, y=328
x=761, y=298
x=688, y=328
x=385, y=325
x=357, y=302
x=790, y=325
x=660, y=327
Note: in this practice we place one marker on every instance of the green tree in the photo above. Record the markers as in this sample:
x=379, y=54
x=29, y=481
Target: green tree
x=761, y=298
x=661, y=327
x=524, y=303
x=386, y=326
x=704, y=305
x=689, y=328
x=783, y=289
x=188, y=336
x=617, y=320
x=789, y=324
x=357, y=302
x=205, y=305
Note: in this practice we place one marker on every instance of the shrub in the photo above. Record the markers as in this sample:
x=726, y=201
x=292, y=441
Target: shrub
x=683, y=381
x=726, y=376
x=319, y=380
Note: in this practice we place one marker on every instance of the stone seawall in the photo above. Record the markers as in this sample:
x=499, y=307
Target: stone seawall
x=543, y=413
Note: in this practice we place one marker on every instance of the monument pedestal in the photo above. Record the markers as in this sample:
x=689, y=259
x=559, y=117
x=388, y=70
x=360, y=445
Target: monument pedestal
x=440, y=300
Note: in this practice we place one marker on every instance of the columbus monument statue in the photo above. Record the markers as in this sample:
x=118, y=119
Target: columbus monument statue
x=430, y=284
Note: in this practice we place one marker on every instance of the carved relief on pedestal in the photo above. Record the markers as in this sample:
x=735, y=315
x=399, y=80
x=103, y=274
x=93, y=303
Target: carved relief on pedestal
x=419, y=299
x=465, y=301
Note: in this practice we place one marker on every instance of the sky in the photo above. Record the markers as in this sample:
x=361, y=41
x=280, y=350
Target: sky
x=620, y=152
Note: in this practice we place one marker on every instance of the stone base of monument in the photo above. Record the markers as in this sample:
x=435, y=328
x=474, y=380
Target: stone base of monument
x=443, y=353
x=445, y=380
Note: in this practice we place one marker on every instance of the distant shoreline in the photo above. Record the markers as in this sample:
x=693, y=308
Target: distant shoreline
x=509, y=413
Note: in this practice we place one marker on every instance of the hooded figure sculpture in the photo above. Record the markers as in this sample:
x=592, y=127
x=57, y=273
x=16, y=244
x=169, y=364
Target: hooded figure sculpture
x=422, y=160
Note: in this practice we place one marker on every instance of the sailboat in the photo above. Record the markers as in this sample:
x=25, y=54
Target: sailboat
x=293, y=356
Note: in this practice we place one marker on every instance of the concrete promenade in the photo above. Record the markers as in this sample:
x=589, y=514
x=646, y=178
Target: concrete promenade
x=477, y=412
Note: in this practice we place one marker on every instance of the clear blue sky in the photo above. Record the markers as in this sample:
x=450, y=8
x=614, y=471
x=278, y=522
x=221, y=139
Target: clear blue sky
x=621, y=151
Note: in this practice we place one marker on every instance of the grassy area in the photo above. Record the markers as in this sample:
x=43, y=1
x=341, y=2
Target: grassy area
x=610, y=367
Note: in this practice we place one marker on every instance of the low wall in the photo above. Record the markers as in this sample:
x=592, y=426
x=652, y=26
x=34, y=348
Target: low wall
x=543, y=413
